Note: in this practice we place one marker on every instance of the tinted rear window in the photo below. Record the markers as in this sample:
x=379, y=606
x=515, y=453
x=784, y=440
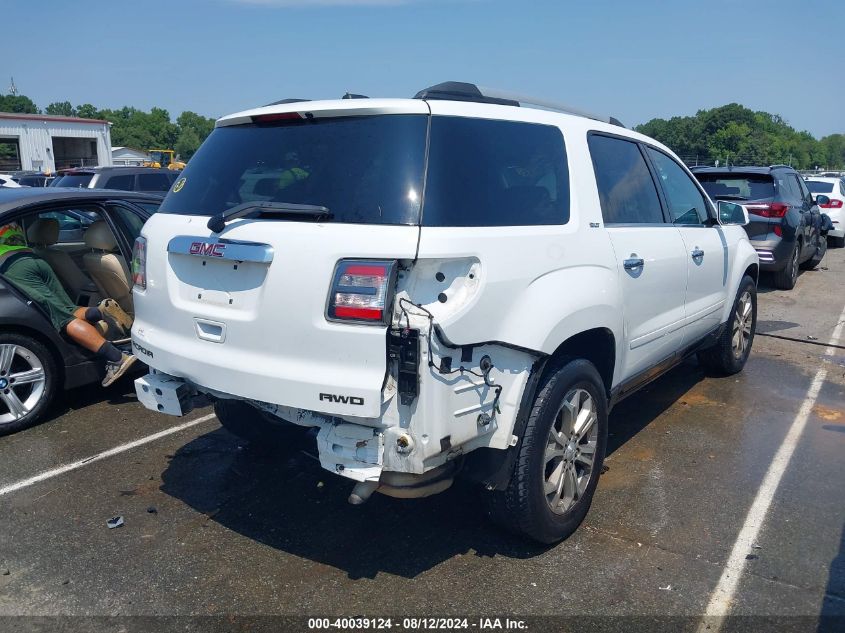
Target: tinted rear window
x=370, y=170
x=738, y=186
x=33, y=181
x=73, y=180
x=366, y=169
x=485, y=172
x=817, y=186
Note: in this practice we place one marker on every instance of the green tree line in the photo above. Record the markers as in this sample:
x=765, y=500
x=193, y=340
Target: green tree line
x=731, y=134
x=131, y=127
x=736, y=135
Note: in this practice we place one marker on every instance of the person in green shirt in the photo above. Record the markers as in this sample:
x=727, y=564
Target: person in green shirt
x=34, y=277
x=292, y=173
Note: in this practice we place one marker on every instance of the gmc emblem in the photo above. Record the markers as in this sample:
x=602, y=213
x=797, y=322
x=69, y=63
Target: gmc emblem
x=332, y=397
x=207, y=250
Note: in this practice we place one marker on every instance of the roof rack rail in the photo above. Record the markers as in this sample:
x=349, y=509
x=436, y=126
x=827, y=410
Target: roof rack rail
x=462, y=91
x=284, y=101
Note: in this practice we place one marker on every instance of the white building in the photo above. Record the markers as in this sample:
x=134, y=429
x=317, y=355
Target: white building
x=44, y=142
x=128, y=156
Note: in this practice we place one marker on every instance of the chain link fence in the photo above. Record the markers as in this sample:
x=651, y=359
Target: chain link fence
x=69, y=162
x=735, y=160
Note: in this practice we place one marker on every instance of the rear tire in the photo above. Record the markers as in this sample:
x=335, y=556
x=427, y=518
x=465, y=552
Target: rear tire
x=730, y=353
x=29, y=378
x=559, y=457
x=785, y=279
x=255, y=426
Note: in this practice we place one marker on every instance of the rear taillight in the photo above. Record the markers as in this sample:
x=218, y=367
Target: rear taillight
x=778, y=230
x=139, y=263
x=361, y=291
x=767, y=209
x=833, y=204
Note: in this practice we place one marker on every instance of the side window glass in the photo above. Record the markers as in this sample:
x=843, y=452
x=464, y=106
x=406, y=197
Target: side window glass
x=802, y=188
x=686, y=204
x=128, y=222
x=842, y=187
x=71, y=225
x=153, y=182
x=123, y=182
x=626, y=190
x=789, y=188
x=484, y=172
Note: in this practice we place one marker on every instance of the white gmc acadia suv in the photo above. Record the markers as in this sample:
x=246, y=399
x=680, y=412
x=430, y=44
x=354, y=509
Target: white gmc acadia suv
x=450, y=285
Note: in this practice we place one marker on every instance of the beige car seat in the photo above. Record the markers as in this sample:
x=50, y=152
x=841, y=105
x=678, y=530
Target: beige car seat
x=42, y=235
x=106, y=265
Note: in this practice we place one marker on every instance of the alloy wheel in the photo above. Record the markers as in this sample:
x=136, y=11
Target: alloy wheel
x=22, y=382
x=570, y=451
x=743, y=320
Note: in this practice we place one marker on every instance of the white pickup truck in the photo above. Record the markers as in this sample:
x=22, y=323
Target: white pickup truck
x=457, y=284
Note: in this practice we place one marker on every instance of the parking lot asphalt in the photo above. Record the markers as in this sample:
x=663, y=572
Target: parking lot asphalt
x=216, y=527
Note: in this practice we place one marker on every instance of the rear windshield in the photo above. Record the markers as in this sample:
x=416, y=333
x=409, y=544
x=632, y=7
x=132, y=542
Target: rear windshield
x=363, y=169
x=817, y=186
x=372, y=170
x=73, y=180
x=738, y=186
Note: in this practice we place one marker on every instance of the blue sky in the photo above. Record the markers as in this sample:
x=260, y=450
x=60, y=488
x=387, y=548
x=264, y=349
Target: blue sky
x=634, y=60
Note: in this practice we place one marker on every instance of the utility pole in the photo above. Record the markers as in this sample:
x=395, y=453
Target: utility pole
x=13, y=89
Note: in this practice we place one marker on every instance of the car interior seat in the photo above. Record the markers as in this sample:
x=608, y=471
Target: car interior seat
x=42, y=236
x=107, y=266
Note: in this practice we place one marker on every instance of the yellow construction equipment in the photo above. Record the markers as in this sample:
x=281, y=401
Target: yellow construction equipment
x=164, y=158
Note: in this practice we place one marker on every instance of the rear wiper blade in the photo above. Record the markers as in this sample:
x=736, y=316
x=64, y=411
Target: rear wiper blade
x=218, y=222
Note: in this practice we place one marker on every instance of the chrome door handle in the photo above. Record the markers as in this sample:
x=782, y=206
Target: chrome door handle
x=633, y=263
x=697, y=254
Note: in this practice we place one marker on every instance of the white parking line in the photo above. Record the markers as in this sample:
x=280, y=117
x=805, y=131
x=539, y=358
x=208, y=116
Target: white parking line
x=55, y=472
x=722, y=597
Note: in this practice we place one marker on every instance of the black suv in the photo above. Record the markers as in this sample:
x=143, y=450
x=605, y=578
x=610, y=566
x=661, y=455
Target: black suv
x=785, y=227
x=145, y=179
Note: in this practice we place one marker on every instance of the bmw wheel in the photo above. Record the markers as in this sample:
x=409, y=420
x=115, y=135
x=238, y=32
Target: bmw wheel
x=28, y=379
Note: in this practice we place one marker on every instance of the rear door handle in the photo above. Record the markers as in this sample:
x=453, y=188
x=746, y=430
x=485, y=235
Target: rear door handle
x=697, y=254
x=633, y=263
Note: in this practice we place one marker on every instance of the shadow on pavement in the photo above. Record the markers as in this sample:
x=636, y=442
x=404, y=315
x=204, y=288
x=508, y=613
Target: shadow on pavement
x=122, y=392
x=287, y=501
x=633, y=414
x=832, y=616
